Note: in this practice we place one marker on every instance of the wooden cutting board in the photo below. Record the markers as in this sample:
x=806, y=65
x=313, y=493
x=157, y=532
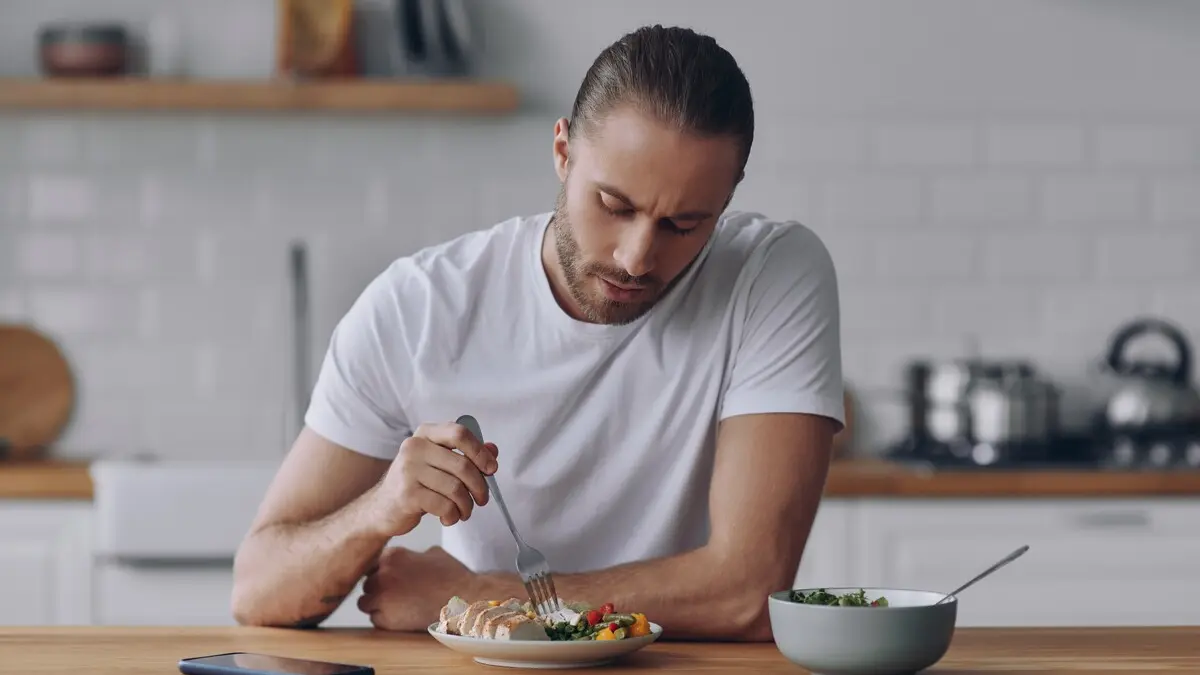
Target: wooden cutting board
x=37, y=392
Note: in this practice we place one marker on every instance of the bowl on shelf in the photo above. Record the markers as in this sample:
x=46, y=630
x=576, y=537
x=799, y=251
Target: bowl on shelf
x=67, y=49
x=908, y=634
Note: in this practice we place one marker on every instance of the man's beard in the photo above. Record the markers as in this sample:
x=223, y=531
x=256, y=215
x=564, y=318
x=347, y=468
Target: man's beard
x=595, y=307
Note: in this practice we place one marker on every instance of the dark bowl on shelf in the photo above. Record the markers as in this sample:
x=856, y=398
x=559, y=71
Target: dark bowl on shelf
x=84, y=49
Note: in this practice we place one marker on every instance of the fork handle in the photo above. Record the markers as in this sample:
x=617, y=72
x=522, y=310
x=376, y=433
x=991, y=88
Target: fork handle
x=493, y=488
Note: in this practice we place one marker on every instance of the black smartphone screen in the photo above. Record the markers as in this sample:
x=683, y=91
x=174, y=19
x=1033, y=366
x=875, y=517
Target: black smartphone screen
x=263, y=664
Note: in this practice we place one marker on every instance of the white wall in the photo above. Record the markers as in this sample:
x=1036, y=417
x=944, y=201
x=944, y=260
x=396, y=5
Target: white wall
x=1024, y=170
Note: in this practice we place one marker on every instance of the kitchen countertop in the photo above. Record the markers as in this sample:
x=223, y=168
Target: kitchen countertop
x=132, y=651
x=45, y=479
x=56, y=479
x=878, y=478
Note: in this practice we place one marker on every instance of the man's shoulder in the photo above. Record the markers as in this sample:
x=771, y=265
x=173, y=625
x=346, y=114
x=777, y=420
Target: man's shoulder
x=464, y=251
x=750, y=241
x=468, y=256
x=433, y=287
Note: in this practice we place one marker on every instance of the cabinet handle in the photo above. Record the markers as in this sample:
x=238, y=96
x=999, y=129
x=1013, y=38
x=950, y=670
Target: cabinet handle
x=1114, y=519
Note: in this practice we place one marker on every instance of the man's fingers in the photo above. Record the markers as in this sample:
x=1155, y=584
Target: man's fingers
x=371, y=583
x=462, y=469
x=492, y=449
x=432, y=501
x=443, y=486
x=368, y=602
x=458, y=437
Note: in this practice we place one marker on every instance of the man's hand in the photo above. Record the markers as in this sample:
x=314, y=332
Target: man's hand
x=427, y=476
x=408, y=589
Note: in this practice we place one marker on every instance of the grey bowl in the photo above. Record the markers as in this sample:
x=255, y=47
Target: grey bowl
x=907, y=636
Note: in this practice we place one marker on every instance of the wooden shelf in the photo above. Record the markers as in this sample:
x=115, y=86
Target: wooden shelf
x=336, y=96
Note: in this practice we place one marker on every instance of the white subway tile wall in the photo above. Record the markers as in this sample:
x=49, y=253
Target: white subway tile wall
x=154, y=247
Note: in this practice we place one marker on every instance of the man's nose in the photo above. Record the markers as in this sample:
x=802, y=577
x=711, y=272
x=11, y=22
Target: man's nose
x=635, y=249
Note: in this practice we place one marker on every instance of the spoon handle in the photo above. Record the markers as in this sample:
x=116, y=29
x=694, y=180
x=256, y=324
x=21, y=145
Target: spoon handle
x=1003, y=561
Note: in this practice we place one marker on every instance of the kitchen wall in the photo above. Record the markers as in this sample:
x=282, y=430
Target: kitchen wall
x=1025, y=172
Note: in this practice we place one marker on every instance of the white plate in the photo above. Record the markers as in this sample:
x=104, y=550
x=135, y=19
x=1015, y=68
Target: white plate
x=545, y=654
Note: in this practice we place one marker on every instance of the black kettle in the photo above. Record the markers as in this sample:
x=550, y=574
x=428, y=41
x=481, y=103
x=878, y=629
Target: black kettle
x=1151, y=395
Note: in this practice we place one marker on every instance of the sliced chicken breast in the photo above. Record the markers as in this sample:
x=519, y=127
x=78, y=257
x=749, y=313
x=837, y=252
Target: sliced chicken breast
x=485, y=618
x=520, y=627
x=467, y=621
x=451, y=614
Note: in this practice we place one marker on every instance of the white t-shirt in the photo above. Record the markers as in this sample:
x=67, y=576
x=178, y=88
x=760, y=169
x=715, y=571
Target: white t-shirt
x=606, y=433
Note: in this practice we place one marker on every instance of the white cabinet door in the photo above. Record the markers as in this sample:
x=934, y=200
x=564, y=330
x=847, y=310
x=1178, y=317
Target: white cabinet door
x=829, y=553
x=45, y=563
x=164, y=594
x=1115, y=562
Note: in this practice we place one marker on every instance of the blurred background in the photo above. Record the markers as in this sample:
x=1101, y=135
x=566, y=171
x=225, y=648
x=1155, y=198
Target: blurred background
x=192, y=193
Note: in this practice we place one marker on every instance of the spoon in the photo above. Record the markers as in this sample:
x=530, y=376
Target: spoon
x=1003, y=561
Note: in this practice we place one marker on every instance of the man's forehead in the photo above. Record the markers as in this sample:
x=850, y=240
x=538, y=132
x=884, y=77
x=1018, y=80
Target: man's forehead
x=634, y=153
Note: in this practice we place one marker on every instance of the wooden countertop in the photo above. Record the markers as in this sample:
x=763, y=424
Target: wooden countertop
x=45, y=479
x=157, y=650
x=878, y=478
x=848, y=478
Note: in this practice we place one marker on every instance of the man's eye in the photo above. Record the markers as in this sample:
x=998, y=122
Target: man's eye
x=616, y=210
x=670, y=226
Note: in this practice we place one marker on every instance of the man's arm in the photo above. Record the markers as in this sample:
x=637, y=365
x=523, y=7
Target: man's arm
x=767, y=482
x=313, y=538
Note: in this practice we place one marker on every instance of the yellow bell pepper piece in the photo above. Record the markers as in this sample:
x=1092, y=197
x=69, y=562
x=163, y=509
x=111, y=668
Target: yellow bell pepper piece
x=606, y=634
x=640, y=626
x=493, y=603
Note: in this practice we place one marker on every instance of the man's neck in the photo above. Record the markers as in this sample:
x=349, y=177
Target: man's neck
x=552, y=268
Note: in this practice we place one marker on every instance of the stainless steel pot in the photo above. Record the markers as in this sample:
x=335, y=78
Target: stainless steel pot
x=1009, y=404
x=937, y=399
x=966, y=402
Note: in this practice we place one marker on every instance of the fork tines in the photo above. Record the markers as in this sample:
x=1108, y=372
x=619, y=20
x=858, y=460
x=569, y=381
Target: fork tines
x=542, y=593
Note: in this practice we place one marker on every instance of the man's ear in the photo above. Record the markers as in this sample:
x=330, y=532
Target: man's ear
x=562, y=153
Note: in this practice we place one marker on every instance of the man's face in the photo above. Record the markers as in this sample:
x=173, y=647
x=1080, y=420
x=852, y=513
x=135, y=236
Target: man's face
x=637, y=204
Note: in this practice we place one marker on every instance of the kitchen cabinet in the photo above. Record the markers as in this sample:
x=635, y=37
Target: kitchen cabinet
x=1092, y=562
x=829, y=554
x=45, y=563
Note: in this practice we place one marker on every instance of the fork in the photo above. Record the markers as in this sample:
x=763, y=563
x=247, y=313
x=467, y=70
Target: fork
x=531, y=564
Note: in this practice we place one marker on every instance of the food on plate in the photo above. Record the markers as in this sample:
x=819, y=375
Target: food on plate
x=822, y=597
x=513, y=619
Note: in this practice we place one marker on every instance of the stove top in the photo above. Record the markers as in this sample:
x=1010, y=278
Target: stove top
x=1079, y=453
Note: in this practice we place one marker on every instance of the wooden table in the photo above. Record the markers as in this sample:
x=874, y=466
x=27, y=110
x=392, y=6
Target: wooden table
x=135, y=651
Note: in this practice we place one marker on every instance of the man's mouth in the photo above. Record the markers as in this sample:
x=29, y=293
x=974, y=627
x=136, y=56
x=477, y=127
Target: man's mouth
x=624, y=287
x=621, y=292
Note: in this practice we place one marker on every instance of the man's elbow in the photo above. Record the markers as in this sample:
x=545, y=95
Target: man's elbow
x=249, y=609
x=246, y=608
x=250, y=602
x=749, y=619
x=746, y=612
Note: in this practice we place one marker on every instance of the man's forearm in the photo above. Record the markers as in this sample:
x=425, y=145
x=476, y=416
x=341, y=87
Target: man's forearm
x=296, y=575
x=696, y=593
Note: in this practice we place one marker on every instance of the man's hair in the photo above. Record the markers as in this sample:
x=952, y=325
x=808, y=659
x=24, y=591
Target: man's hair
x=676, y=75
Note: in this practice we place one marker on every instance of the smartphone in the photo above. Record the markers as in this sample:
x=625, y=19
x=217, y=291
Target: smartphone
x=244, y=663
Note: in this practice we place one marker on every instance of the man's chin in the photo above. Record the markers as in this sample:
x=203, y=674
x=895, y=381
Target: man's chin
x=606, y=311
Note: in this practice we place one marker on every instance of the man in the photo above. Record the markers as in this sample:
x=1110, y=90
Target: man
x=658, y=382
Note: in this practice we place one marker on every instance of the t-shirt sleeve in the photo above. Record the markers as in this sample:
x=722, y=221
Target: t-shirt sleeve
x=788, y=358
x=357, y=401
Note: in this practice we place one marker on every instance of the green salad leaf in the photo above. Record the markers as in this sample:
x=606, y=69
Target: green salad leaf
x=822, y=597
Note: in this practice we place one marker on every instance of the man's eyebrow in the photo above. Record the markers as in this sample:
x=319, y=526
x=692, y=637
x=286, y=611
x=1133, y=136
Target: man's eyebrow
x=620, y=196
